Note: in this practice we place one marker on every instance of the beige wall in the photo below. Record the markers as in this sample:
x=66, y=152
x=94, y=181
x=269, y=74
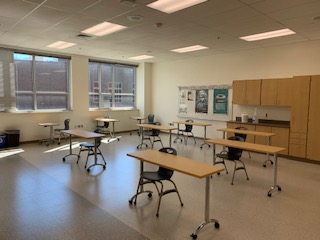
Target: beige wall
x=157, y=86
x=273, y=62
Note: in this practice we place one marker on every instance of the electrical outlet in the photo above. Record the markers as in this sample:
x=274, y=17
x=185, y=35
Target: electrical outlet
x=171, y=124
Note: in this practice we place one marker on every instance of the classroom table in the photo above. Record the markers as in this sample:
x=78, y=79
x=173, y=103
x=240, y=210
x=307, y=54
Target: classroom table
x=110, y=120
x=251, y=147
x=84, y=134
x=268, y=135
x=51, y=136
x=139, y=119
x=186, y=166
x=204, y=125
x=153, y=126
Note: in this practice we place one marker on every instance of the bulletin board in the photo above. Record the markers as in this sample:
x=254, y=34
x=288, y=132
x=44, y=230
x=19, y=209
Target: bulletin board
x=205, y=102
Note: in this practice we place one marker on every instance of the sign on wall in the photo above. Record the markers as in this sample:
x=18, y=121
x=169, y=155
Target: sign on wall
x=204, y=102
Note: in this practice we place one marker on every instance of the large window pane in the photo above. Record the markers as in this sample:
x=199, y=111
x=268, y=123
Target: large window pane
x=114, y=83
x=42, y=82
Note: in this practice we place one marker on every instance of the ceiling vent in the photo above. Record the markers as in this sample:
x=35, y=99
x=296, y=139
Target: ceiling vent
x=84, y=36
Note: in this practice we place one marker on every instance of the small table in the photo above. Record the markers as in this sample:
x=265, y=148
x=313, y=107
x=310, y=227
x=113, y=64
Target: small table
x=112, y=133
x=205, y=125
x=84, y=134
x=51, y=137
x=268, y=135
x=139, y=119
x=153, y=126
x=251, y=147
x=186, y=166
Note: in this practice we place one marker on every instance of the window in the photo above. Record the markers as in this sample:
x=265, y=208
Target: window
x=111, y=85
x=42, y=82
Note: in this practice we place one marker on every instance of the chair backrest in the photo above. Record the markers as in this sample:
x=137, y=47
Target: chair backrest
x=106, y=124
x=244, y=136
x=67, y=124
x=235, y=153
x=156, y=132
x=189, y=127
x=151, y=118
x=165, y=171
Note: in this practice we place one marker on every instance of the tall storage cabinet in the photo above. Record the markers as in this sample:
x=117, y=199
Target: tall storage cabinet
x=299, y=98
x=313, y=146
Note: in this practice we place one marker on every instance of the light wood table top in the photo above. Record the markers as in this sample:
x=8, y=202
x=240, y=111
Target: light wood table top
x=83, y=133
x=138, y=118
x=246, y=146
x=176, y=163
x=248, y=132
x=48, y=124
x=158, y=127
x=194, y=123
x=101, y=119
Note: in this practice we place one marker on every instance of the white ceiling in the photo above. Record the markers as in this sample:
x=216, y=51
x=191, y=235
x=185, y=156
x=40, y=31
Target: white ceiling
x=217, y=24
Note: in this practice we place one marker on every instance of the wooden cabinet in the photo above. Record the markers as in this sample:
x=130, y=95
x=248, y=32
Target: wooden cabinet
x=281, y=139
x=251, y=127
x=246, y=92
x=313, y=146
x=276, y=92
x=299, y=98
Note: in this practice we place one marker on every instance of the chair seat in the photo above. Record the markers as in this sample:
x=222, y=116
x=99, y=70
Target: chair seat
x=154, y=176
x=87, y=145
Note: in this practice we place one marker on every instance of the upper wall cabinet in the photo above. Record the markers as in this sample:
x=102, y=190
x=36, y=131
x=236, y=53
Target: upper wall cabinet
x=275, y=92
x=246, y=92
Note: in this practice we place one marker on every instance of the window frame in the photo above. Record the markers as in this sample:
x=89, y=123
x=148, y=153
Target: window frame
x=113, y=92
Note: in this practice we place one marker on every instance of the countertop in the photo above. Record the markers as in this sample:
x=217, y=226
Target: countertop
x=265, y=122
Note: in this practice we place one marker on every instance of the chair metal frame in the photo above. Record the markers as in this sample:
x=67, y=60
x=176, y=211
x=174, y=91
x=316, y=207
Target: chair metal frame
x=89, y=147
x=61, y=134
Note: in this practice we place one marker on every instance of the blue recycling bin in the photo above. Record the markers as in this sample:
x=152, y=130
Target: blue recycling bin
x=3, y=140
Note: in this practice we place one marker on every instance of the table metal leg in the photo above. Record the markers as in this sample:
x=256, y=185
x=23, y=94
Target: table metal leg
x=205, y=137
x=275, y=172
x=268, y=155
x=142, y=138
x=112, y=133
x=70, y=149
x=207, y=220
x=178, y=135
x=96, y=157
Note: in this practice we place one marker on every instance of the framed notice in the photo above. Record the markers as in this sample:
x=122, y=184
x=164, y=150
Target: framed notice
x=220, y=101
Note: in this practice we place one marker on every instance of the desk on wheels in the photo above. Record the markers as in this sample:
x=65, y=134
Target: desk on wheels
x=268, y=135
x=139, y=119
x=110, y=120
x=251, y=147
x=51, y=137
x=186, y=166
x=153, y=126
x=204, y=125
x=84, y=134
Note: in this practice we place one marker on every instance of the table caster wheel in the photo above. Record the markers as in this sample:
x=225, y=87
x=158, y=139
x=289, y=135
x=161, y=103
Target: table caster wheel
x=269, y=195
x=149, y=195
x=279, y=189
x=264, y=165
x=216, y=225
x=88, y=170
x=63, y=159
x=194, y=236
x=130, y=201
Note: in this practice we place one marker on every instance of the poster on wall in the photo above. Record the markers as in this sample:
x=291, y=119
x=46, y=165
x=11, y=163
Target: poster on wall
x=220, y=101
x=182, y=102
x=201, y=101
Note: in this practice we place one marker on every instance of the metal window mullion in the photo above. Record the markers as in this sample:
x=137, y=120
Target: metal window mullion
x=100, y=84
x=34, y=69
x=113, y=76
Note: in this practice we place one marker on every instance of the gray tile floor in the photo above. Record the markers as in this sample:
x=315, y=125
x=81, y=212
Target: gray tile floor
x=243, y=210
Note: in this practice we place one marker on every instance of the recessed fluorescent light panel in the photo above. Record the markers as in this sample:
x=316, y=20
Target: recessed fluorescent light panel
x=170, y=6
x=266, y=35
x=141, y=57
x=61, y=45
x=189, y=49
x=103, y=29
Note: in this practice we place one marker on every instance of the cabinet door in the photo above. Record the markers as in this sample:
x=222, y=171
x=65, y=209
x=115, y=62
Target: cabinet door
x=269, y=92
x=281, y=139
x=239, y=92
x=253, y=92
x=313, y=149
x=300, y=89
x=260, y=139
x=284, y=92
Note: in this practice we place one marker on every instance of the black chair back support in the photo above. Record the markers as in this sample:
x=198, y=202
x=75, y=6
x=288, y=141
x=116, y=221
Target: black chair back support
x=151, y=118
x=165, y=171
x=189, y=127
x=235, y=153
x=67, y=124
x=244, y=136
x=156, y=132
